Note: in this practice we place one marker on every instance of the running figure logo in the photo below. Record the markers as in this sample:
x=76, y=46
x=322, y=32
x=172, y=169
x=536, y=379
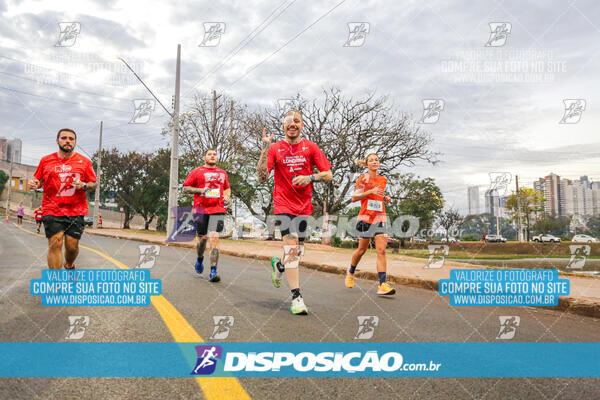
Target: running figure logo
x=357, y=34
x=437, y=255
x=142, y=111
x=579, y=253
x=432, y=109
x=148, y=255
x=207, y=359
x=508, y=327
x=77, y=325
x=185, y=225
x=291, y=255
x=366, y=326
x=212, y=34
x=499, y=32
x=573, y=110
x=500, y=181
x=223, y=325
x=68, y=33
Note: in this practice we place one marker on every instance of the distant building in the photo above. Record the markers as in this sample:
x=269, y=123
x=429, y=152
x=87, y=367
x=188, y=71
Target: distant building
x=473, y=193
x=565, y=197
x=492, y=202
x=549, y=186
x=10, y=150
x=13, y=151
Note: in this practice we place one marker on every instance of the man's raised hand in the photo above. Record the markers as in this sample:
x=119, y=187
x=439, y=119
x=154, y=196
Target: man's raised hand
x=267, y=139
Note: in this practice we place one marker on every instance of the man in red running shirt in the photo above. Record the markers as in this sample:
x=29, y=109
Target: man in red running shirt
x=210, y=186
x=294, y=160
x=38, y=214
x=65, y=177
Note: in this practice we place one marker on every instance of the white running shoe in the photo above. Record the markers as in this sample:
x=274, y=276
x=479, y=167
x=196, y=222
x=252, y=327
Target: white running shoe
x=298, y=307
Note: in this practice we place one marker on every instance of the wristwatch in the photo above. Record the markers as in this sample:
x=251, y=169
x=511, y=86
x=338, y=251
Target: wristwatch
x=84, y=187
x=312, y=178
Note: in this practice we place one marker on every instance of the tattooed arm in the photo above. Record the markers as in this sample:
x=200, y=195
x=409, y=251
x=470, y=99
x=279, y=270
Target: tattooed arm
x=262, y=170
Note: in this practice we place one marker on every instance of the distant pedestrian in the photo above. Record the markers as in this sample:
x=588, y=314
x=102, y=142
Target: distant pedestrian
x=20, y=213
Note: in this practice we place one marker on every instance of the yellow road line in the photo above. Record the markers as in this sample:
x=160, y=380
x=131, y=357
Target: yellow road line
x=183, y=332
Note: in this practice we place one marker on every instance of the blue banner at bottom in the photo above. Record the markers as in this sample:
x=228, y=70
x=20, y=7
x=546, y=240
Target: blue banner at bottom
x=300, y=359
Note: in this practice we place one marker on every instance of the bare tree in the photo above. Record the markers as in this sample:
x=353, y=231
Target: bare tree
x=450, y=219
x=347, y=128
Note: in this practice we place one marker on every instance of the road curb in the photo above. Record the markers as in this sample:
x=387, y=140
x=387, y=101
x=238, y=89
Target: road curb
x=589, y=307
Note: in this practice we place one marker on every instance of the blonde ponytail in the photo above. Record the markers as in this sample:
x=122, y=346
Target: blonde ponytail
x=363, y=163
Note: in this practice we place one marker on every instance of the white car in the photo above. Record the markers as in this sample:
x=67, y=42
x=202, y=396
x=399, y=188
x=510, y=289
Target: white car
x=584, y=239
x=451, y=239
x=416, y=239
x=546, y=238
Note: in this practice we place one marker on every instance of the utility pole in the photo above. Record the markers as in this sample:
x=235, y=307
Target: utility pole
x=9, y=186
x=519, y=226
x=98, y=175
x=173, y=178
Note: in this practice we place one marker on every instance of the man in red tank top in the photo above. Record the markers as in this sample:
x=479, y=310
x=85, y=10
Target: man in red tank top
x=66, y=176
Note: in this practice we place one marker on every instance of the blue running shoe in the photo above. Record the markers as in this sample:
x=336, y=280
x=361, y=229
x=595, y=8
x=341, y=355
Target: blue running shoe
x=199, y=266
x=213, y=277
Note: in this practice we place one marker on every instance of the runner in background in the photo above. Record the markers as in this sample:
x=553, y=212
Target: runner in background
x=293, y=160
x=210, y=186
x=38, y=213
x=65, y=177
x=372, y=221
x=20, y=214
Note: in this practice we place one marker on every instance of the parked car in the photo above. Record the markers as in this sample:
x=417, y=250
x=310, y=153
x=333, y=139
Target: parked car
x=495, y=239
x=546, y=238
x=89, y=221
x=416, y=239
x=584, y=239
x=451, y=239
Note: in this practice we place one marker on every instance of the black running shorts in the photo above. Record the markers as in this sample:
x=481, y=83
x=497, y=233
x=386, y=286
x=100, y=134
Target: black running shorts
x=289, y=223
x=368, y=231
x=72, y=226
x=209, y=223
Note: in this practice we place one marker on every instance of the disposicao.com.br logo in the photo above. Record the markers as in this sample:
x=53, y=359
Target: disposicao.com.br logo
x=308, y=363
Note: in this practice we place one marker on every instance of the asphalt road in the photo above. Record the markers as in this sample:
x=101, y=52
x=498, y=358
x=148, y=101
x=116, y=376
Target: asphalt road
x=261, y=313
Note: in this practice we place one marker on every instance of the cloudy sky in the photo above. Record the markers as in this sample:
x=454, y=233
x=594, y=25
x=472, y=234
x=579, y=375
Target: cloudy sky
x=502, y=103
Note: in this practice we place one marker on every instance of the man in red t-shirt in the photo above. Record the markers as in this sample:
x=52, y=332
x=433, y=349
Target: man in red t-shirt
x=65, y=177
x=38, y=213
x=293, y=160
x=210, y=186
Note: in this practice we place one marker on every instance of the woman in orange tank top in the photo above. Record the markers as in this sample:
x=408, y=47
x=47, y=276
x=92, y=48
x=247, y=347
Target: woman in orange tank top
x=372, y=220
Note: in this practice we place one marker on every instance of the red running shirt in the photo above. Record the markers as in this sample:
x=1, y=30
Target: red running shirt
x=289, y=160
x=214, y=178
x=372, y=207
x=38, y=213
x=57, y=175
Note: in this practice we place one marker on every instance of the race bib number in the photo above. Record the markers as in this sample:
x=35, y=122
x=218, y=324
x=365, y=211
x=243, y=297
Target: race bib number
x=375, y=205
x=213, y=193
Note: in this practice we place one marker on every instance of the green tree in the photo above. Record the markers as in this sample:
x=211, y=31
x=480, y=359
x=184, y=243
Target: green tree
x=122, y=173
x=554, y=225
x=421, y=198
x=3, y=180
x=530, y=203
x=151, y=198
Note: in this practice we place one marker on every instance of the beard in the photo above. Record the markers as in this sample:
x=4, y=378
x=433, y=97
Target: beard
x=65, y=149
